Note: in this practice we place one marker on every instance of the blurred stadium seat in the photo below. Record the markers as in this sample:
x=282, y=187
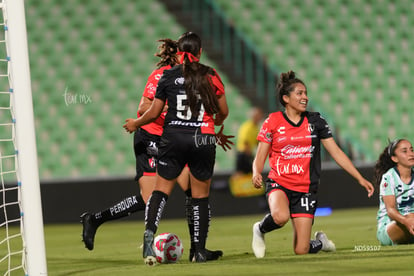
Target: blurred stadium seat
x=90, y=60
x=354, y=56
x=89, y=63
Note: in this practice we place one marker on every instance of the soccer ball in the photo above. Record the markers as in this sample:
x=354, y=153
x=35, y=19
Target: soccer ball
x=168, y=248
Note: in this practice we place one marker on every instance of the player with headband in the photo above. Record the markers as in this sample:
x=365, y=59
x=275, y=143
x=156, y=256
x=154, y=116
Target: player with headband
x=394, y=176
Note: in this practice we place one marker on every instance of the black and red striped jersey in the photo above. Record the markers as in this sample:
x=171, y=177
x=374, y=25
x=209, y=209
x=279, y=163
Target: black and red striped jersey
x=295, y=158
x=171, y=89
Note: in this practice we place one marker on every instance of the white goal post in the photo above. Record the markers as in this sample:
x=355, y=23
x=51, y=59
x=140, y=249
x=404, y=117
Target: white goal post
x=34, y=253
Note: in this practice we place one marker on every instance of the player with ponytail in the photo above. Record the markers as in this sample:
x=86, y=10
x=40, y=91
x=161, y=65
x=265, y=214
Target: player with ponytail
x=196, y=103
x=146, y=141
x=291, y=139
x=394, y=176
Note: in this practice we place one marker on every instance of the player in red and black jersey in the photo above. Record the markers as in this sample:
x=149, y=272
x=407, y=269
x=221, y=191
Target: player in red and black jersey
x=196, y=103
x=292, y=140
x=146, y=141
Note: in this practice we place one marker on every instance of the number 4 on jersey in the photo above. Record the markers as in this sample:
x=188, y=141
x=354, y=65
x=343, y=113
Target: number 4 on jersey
x=304, y=202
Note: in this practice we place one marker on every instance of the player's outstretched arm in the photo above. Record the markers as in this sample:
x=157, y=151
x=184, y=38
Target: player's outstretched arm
x=342, y=160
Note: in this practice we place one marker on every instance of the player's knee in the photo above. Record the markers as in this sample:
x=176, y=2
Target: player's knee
x=280, y=218
x=301, y=249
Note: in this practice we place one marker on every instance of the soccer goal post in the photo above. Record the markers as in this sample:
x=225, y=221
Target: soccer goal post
x=23, y=140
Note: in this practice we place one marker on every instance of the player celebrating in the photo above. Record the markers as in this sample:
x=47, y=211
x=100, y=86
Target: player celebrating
x=292, y=139
x=196, y=102
x=394, y=175
x=146, y=140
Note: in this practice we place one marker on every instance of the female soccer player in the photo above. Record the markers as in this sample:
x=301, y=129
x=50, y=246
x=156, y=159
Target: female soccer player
x=394, y=175
x=196, y=103
x=146, y=141
x=292, y=139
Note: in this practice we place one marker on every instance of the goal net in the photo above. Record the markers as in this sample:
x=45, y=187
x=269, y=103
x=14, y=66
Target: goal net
x=22, y=249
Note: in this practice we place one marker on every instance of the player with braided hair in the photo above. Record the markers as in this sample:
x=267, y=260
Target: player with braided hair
x=291, y=138
x=394, y=176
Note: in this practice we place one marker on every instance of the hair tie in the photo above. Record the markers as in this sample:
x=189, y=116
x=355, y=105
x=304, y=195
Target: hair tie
x=189, y=55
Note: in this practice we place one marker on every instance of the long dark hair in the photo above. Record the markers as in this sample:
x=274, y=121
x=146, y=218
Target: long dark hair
x=198, y=84
x=167, y=52
x=286, y=84
x=384, y=162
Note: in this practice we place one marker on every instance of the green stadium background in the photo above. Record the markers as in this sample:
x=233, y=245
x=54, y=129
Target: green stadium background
x=90, y=60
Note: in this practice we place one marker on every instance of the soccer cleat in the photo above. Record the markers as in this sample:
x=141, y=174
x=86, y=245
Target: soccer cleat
x=327, y=244
x=89, y=230
x=258, y=243
x=210, y=255
x=200, y=256
x=148, y=251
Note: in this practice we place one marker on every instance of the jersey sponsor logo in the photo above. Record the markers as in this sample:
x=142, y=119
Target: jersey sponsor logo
x=288, y=168
x=196, y=210
x=296, y=138
x=162, y=163
x=179, y=81
x=151, y=87
x=158, y=76
x=281, y=139
x=159, y=212
x=293, y=138
x=329, y=129
x=291, y=152
x=190, y=124
x=152, y=148
x=123, y=205
x=281, y=130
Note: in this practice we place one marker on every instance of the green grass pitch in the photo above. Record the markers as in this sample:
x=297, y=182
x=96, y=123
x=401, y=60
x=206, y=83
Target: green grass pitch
x=117, y=249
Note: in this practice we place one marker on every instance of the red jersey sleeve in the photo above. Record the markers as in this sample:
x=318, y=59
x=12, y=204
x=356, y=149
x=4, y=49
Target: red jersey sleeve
x=218, y=84
x=266, y=131
x=155, y=127
x=152, y=82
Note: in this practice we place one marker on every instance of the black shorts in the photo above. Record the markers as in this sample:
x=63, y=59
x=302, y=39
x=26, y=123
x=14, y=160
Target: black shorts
x=146, y=151
x=300, y=204
x=180, y=147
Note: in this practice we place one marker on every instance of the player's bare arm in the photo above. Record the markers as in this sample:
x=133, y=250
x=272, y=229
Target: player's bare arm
x=342, y=160
x=394, y=214
x=223, y=112
x=149, y=116
x=258, y=164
